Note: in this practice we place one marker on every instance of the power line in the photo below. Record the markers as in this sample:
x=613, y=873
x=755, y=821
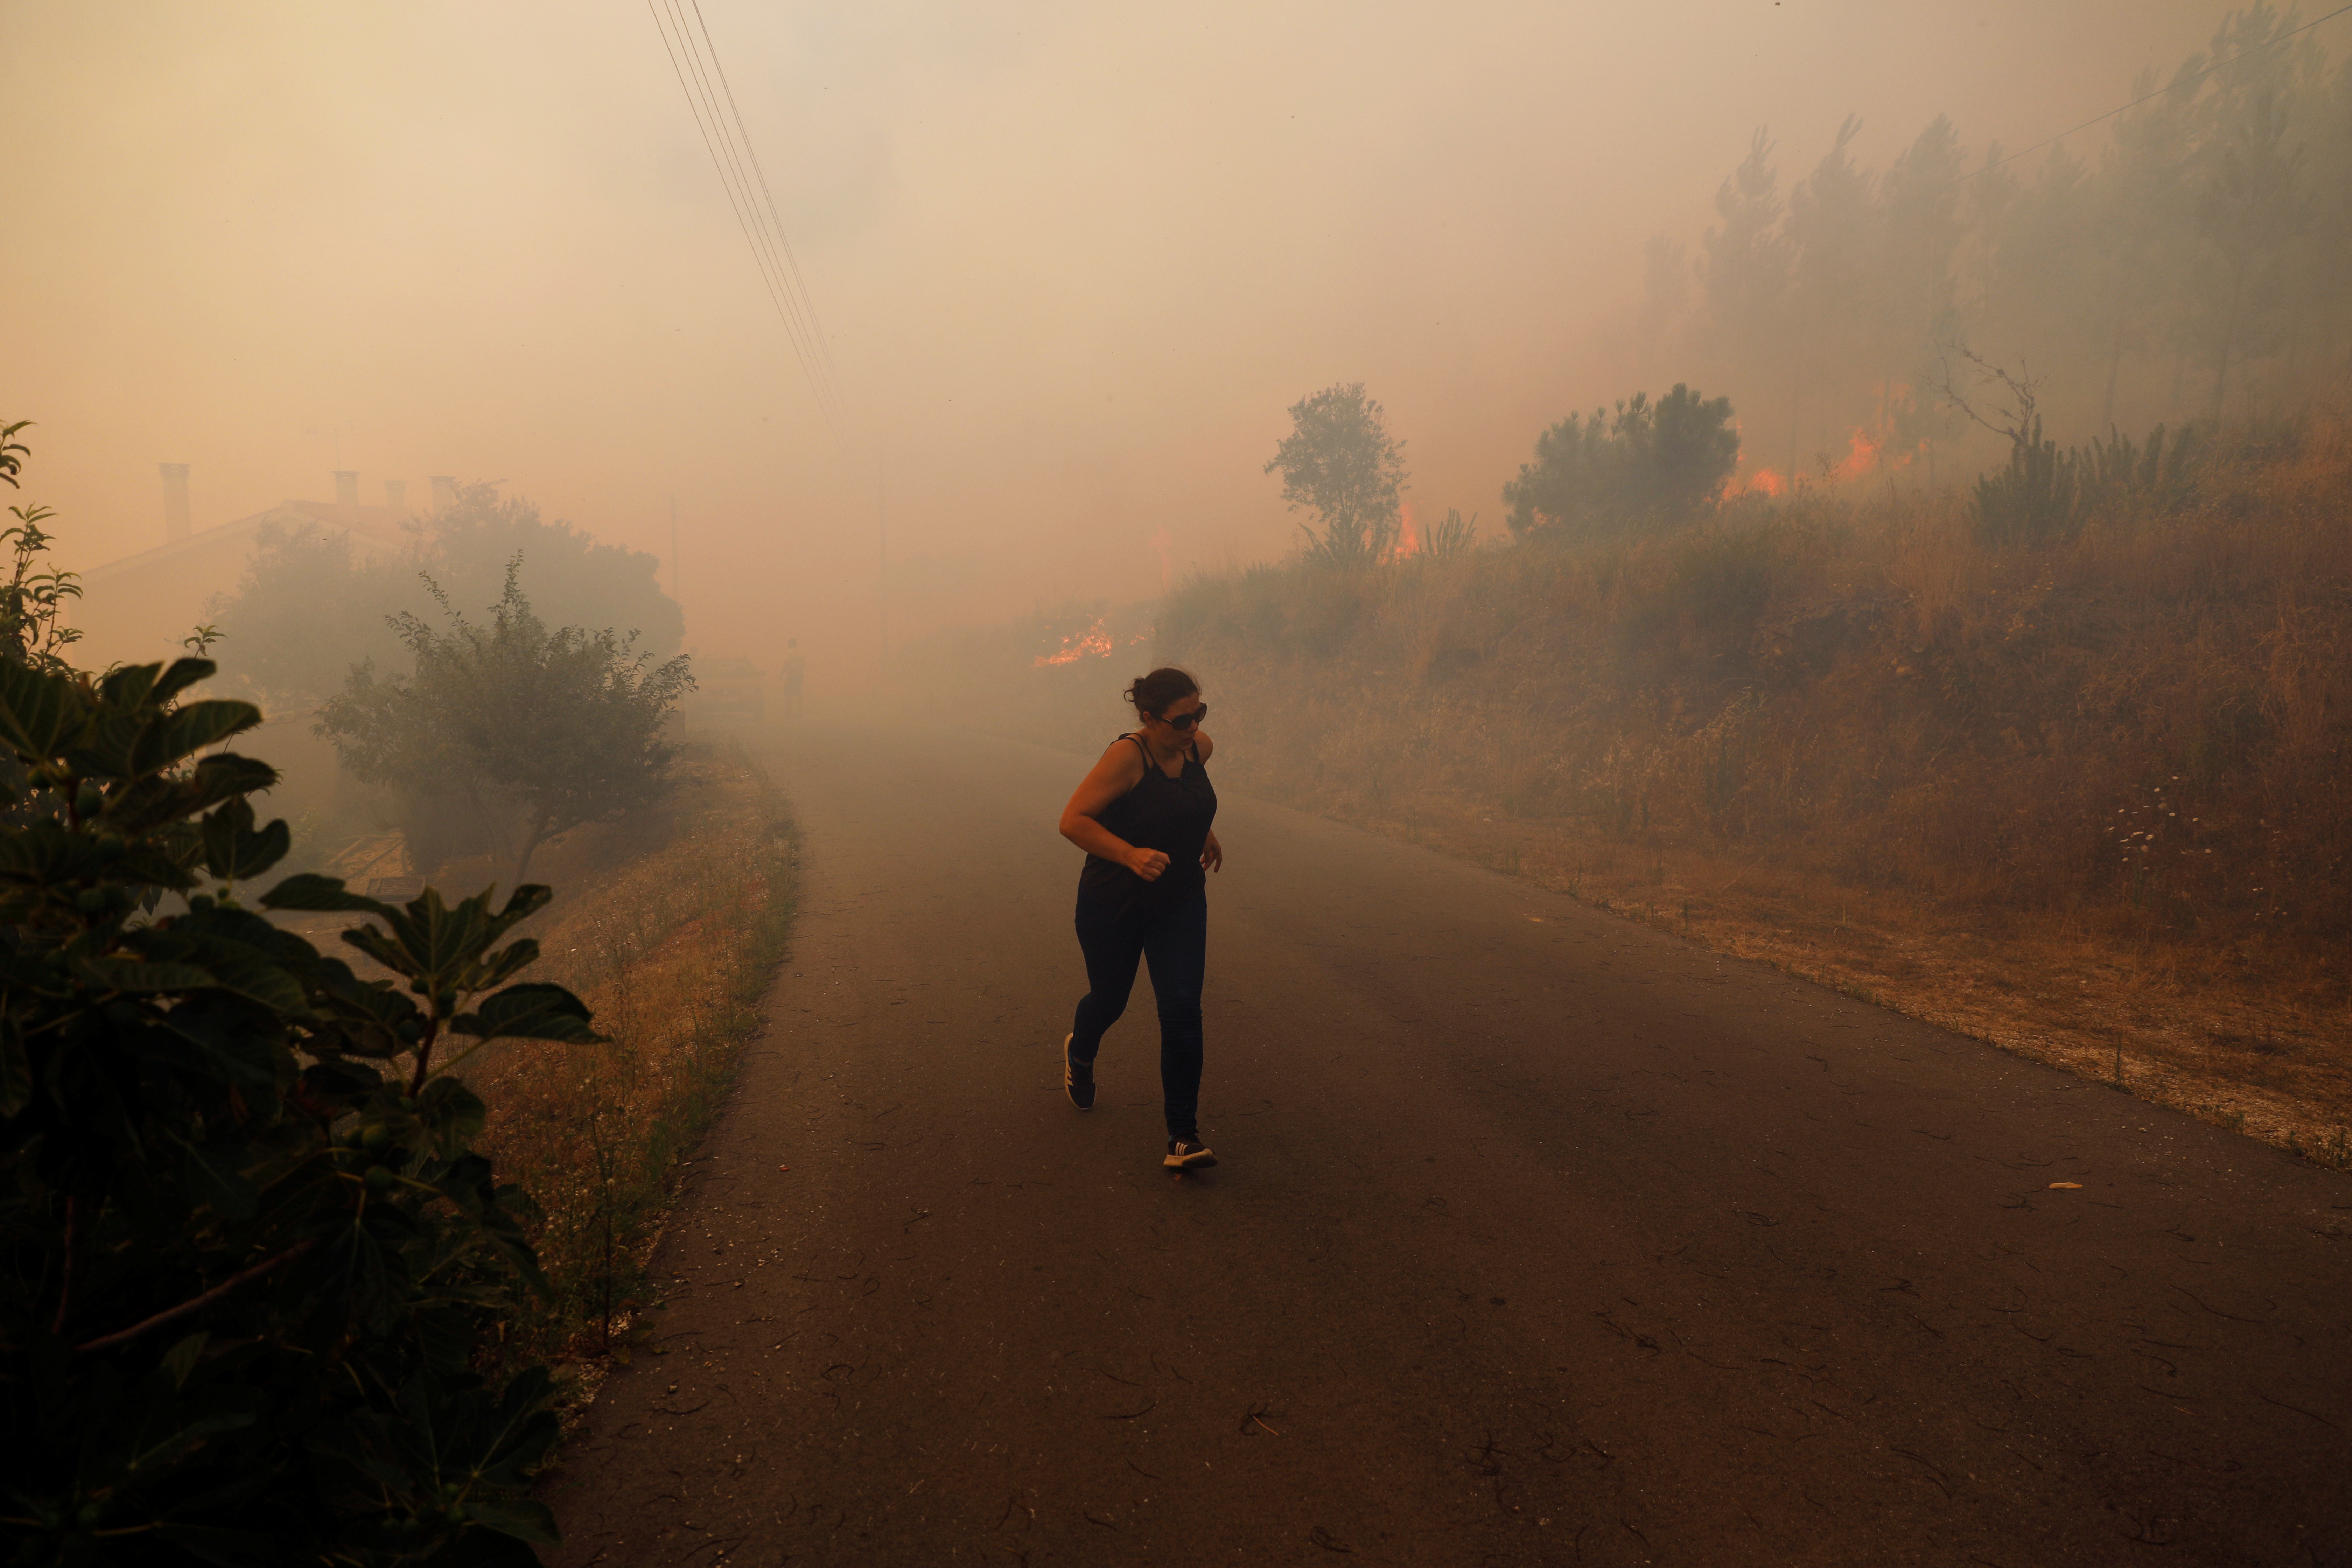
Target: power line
x=697, y=106
x=2173, y=86
x=823, y=349
x=762, y=228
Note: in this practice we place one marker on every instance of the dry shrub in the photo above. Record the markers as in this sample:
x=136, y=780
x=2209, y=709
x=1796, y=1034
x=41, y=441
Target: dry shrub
x=673, y=950
x=2135, y=738
x=2149, y=720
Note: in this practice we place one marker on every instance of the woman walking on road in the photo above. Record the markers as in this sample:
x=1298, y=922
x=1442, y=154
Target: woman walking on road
x=1143, y=818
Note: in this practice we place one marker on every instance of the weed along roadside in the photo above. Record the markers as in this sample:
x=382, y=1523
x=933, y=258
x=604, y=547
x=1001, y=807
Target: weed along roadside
x=672, y=949
x=667, y=925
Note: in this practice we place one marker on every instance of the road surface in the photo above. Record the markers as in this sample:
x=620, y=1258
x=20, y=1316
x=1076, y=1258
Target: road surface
x=1539, y=1238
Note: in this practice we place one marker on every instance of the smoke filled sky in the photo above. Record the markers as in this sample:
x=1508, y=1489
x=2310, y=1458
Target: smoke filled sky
x=1074, y=260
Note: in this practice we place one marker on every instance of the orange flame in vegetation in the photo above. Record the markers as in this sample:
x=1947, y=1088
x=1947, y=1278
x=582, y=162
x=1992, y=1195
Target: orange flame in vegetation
x=1092, y=642
x=1861, y=456
x=1408, y=538
x=1762, y=482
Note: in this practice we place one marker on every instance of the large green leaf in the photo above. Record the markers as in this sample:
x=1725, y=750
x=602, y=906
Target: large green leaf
x=183, y=673
x=101, y=750
x=310, y=890
x=250, y=971
x=442, y=939
x=524, y=902
x=188, y=731
x=39, y=712
x=452, y=1114
x=47, y=852
x=234, y=850
x=392, y=954
x=129, y=685
x=224, y=774
x=532, y=1011
x=508, y=960
x=149, y=802
x=134, y=975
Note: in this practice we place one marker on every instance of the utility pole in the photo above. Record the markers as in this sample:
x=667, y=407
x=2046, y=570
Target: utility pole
x=881, y=577
x=675, y=591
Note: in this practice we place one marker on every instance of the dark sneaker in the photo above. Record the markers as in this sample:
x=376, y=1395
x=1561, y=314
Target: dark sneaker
x=1077, y=1077
x=1189, y=1153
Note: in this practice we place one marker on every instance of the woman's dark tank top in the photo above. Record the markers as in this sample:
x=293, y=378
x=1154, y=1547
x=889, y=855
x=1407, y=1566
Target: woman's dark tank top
x=1170, y=815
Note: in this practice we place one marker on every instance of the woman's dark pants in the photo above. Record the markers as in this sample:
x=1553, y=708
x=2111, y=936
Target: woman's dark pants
x=1176, y=943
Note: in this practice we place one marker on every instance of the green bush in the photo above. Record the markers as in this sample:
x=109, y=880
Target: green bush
x=252, y=1265
x=1341, y=462
x=1650, y=464
x=2044, y=495
x=537, y=731
x=2035, y=500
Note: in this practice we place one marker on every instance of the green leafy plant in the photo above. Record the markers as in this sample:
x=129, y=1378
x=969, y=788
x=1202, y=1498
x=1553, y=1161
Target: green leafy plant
x=2034, y=501
x=32, y=601
x=1341, y=462
x=253, y=1267
x=1646, y=464
x=557, y=727
x=1451, y=535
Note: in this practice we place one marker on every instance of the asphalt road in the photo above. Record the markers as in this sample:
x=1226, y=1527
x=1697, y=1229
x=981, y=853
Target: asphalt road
x=1539, y=1238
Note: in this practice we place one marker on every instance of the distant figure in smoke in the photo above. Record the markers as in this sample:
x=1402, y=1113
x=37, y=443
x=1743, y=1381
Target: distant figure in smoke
x=1143, y=818
x=795, y=667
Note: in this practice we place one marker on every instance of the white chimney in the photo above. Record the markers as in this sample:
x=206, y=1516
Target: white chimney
x=396, y=496
x=444, y=491
x=175, y=500
x=347, y=491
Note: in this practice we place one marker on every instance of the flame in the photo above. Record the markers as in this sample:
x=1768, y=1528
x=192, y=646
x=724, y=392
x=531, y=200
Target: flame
x=1763, y=482
x=1408, y=538
x=1094, y=642
x=1861, y=456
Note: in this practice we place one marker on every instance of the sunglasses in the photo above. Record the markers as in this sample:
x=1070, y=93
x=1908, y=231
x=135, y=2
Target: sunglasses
x=1186, y=720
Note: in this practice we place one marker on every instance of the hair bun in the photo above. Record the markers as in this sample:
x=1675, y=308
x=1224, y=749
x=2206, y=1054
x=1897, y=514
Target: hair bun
x=1162, y=690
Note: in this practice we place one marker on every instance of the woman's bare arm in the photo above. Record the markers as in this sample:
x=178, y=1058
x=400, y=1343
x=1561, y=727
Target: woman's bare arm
x=1213, y=854
x=1121, y=770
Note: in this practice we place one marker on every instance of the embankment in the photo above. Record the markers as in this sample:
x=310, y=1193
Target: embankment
x=2091, y=801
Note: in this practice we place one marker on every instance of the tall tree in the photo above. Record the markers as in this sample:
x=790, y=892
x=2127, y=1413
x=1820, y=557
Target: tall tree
x=2250, y=210
x=1340, y=461
x=1917, y=305
x=2203, y=232
x=1744, y=262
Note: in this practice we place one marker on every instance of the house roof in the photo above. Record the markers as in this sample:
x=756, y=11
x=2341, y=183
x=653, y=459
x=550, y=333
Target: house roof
x=377, y=525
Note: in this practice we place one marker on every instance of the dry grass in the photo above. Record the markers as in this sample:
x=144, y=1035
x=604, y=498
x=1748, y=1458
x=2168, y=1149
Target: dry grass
x=2090, y=802
x=669, y=927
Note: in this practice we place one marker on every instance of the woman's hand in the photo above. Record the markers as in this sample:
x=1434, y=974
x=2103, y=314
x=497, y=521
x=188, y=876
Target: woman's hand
x=1147, y=863
x=1213, y=854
